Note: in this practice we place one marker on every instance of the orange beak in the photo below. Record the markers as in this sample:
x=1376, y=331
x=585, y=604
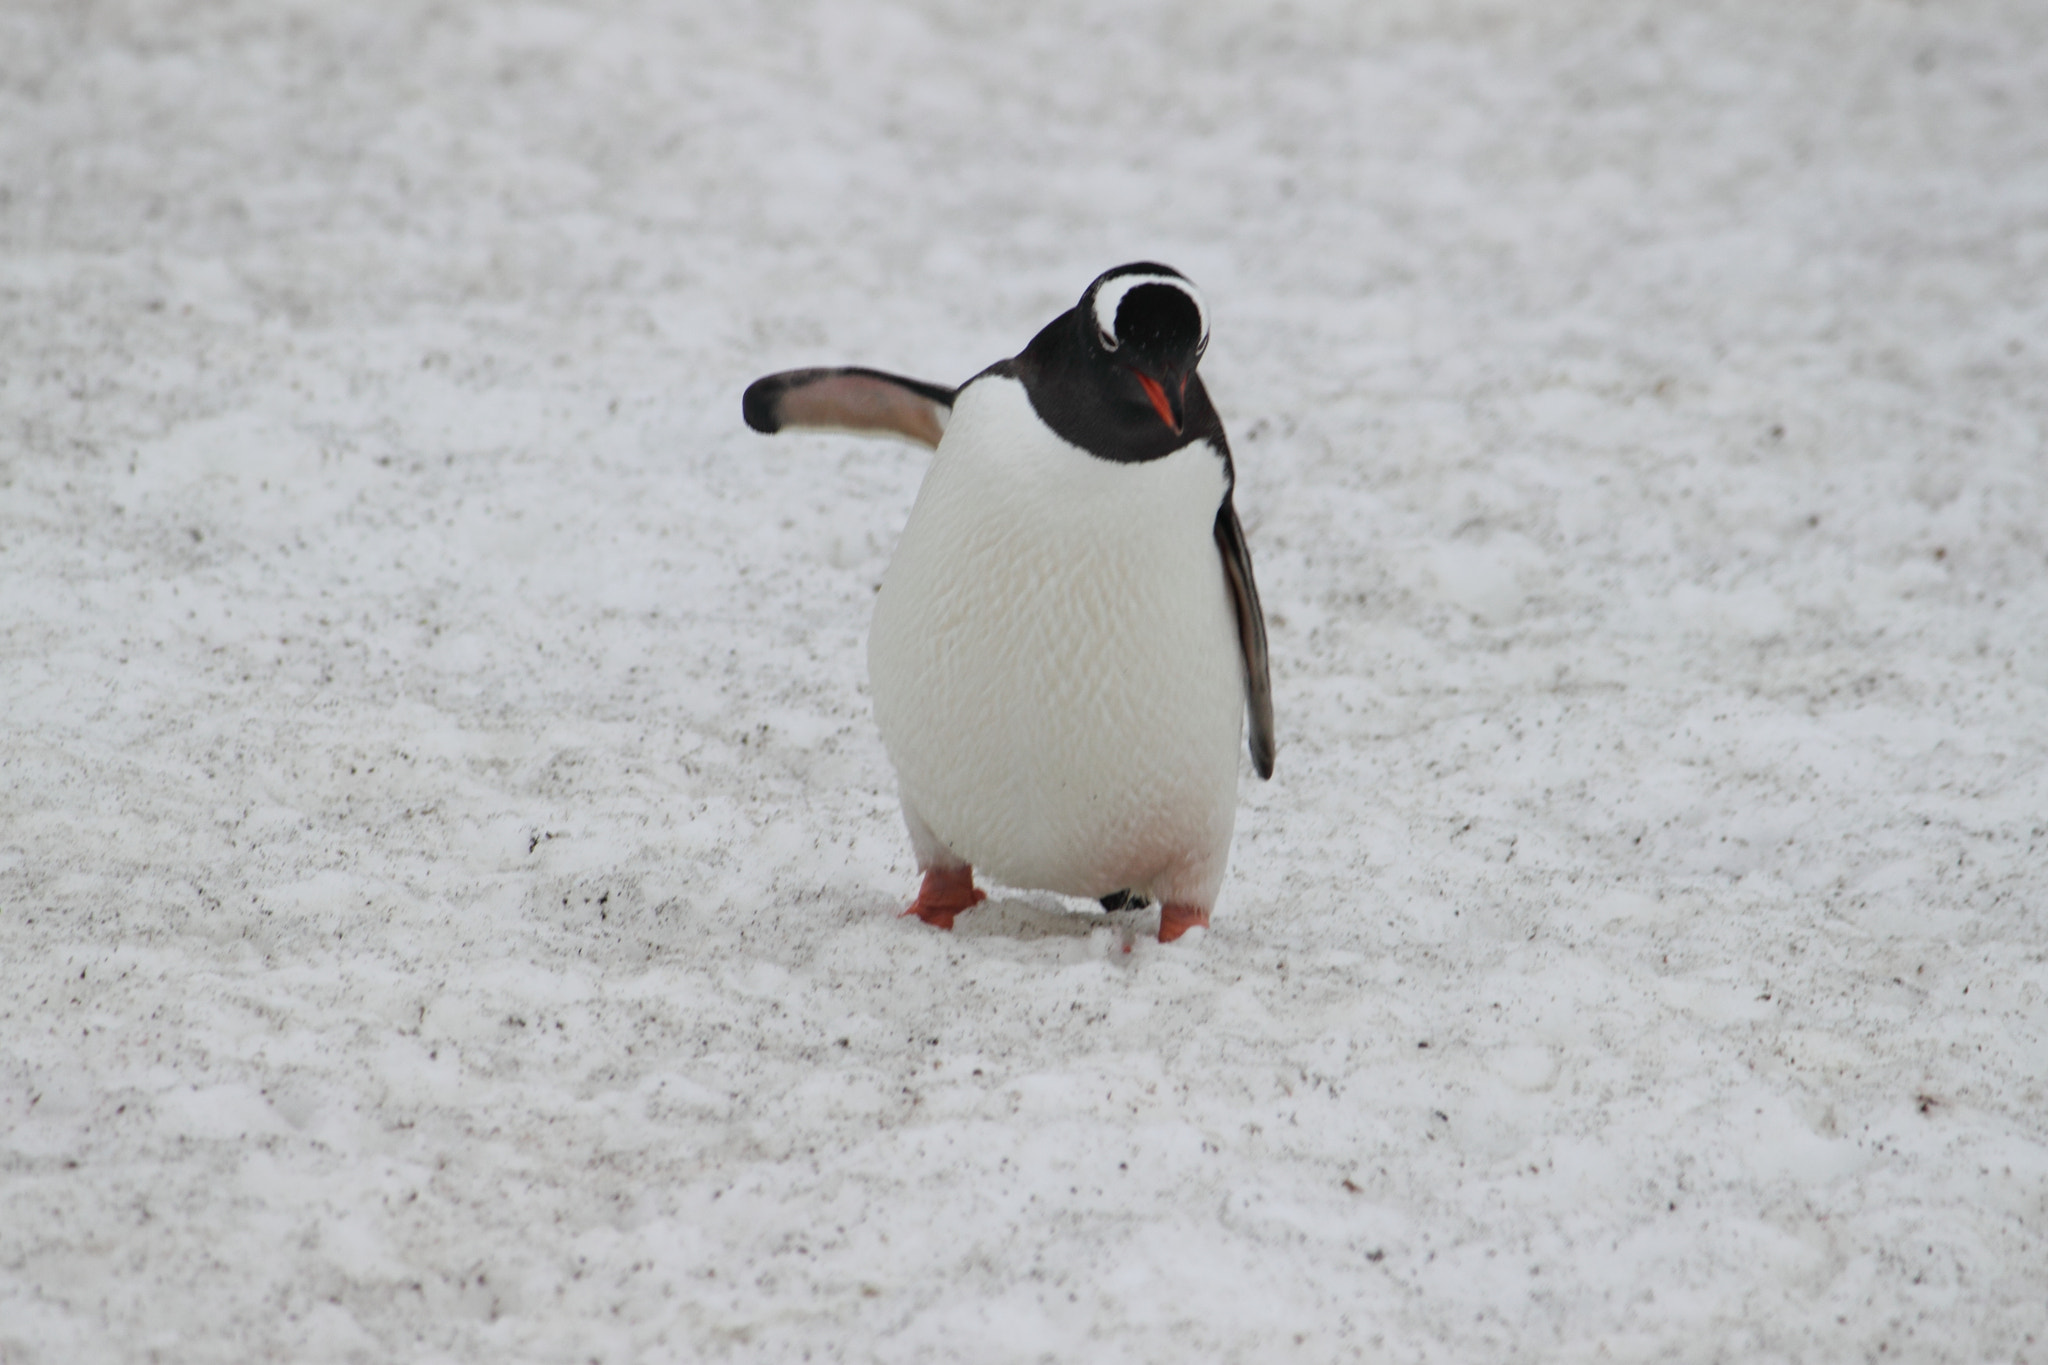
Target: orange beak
x=1168, y=411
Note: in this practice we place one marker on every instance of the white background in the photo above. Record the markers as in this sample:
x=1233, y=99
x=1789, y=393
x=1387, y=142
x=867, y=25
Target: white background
x=449, y=871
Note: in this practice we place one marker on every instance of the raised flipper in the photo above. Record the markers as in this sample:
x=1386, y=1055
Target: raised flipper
x=1251, y=634
x=851, y=399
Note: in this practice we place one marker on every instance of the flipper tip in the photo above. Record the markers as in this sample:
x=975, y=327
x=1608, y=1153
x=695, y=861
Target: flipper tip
x=760, y=402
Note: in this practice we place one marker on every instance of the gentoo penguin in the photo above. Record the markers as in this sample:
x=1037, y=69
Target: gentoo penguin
x=1068, y=638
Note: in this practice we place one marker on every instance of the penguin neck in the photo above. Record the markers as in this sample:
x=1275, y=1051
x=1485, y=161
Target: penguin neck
x=1071, y=389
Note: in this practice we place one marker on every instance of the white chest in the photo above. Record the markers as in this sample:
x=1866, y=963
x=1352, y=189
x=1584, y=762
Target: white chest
x=1054, y=657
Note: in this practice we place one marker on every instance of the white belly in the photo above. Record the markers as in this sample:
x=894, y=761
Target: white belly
x=1055, y=662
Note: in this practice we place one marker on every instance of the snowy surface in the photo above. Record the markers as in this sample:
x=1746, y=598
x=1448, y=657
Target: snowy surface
x=449, y=870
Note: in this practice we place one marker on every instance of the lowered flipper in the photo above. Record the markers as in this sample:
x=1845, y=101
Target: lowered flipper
x=851, y=399
x=1251, y=634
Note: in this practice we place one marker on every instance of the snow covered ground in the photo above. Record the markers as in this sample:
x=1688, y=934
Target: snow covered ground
x=447, y=867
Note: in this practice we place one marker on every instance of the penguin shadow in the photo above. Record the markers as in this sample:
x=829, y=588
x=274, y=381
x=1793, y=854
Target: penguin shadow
x=1029, y=918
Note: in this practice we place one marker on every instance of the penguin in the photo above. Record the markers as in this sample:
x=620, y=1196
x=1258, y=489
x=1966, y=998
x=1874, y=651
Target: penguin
x=1068, y=640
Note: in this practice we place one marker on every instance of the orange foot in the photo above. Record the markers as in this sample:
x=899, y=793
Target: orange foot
x=945, y=893
x=1175, y=920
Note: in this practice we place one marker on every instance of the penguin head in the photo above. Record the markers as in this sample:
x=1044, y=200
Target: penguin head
x=1146, y=325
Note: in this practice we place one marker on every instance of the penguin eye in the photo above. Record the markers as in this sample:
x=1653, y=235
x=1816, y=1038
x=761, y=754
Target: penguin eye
x=1108, y=340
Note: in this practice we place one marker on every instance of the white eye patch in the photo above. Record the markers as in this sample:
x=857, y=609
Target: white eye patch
x=1110, y=298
